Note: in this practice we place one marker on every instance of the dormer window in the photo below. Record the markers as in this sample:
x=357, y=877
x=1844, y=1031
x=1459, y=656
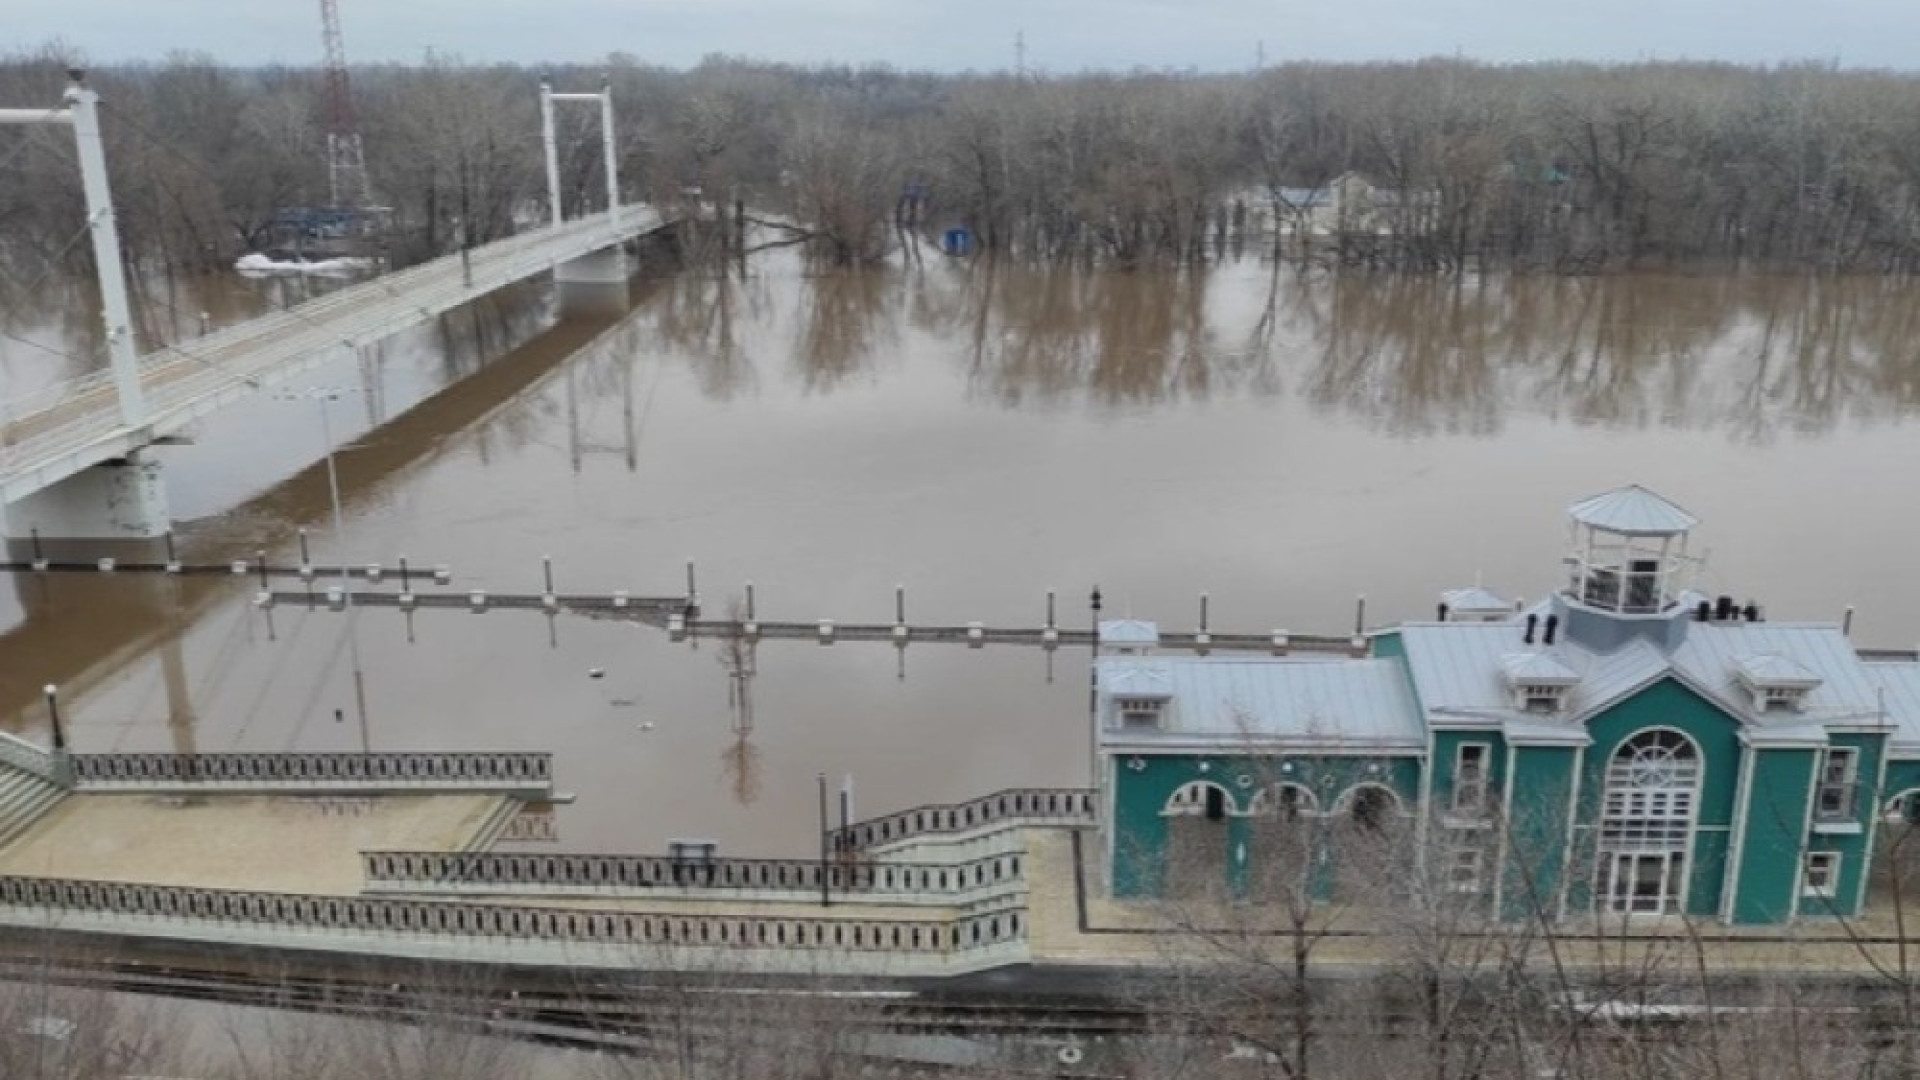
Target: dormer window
x=1538, y=682
x=1541, y=699
x=1139, y=714
x=1775, y=683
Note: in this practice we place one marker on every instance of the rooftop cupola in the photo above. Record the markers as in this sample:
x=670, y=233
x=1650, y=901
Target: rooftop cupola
x=1627, y=569
x=1629, y=551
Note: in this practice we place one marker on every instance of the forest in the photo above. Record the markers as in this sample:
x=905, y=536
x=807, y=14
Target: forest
x=1442, y=166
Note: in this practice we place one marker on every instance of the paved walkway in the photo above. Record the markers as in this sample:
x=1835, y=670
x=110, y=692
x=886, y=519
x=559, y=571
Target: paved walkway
x=273, y=843
x=1134, y=934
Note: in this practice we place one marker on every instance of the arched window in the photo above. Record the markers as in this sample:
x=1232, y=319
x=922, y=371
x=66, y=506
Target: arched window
x=1285, y=800
x=1646, y=822
x=1902, y=809
x=1369, y=807
x=1199, y=798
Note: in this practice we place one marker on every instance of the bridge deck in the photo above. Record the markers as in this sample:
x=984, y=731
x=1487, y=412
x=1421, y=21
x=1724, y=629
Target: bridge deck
x=59, y=431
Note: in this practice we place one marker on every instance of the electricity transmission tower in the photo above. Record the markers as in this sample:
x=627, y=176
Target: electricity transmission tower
x=346, y=161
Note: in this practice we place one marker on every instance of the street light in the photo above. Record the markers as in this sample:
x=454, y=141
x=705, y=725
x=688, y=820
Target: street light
x=321, y=396
x=53, y=715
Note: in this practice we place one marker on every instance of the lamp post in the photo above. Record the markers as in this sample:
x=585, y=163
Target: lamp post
x=826, y=838
x=1093, y=694
x=321, y=396
x=53, y=715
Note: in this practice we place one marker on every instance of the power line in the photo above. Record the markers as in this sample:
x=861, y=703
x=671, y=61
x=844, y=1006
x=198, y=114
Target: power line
x=48, y=349
x=26, y=141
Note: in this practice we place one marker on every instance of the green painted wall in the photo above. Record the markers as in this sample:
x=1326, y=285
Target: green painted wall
x=1903, y=774
x=1776, y=825
x=1140, y=832
x=1854, y=848
x=1389, y=643
x=1665, y=704
x=1536, y=831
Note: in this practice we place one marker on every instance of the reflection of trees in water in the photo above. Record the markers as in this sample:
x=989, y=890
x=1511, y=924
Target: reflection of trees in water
x=1410, y=354
x=702, y=316
x=1044, y=335
x=845, y=314
x=1754, y=355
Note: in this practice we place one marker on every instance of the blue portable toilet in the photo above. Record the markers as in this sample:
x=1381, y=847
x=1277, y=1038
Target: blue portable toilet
x=956, y=241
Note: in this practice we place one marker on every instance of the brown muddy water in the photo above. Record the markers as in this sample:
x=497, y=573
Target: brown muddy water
x=979, y=436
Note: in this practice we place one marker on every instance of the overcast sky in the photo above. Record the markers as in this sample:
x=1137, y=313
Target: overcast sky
x=1061, y=35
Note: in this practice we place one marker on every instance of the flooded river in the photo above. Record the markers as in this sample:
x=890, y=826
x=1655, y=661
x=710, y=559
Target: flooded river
x=979, y=436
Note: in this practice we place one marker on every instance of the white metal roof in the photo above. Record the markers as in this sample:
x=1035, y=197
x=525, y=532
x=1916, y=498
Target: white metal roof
x=1322, y=703
x=1135, y=678
x=1475, y=600
x=1534, y=666
x=1129, y=632
x=1632, y=511
x=1899, y=686
x=1771, y=670
x=1457, y=669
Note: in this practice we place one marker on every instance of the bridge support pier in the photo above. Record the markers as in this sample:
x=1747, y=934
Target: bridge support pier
x=594, y=283
x=122, y=499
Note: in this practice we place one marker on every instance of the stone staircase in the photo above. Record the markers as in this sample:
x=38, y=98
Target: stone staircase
x=496, y=823
x=24, y=797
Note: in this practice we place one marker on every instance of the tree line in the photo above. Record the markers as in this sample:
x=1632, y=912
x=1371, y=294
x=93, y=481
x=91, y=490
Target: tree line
x=1461, y=166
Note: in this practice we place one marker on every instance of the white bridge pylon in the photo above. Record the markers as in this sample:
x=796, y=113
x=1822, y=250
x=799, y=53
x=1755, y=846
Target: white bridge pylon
x=82, y=113
x=70, y=454
x=606, y=268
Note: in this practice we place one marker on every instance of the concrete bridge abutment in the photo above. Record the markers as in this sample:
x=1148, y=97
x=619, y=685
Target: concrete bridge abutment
x=121, y=499
x=594, y=283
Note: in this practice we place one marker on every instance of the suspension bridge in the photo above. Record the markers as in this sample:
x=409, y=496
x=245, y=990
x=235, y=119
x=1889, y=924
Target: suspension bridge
x=71, y=454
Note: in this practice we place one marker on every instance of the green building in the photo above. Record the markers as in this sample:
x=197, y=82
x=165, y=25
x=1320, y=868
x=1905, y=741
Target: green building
x=1627, y=746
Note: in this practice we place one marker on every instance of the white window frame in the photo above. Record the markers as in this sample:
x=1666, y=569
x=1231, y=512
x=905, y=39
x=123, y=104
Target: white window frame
x=1136, y=713
x=1847, y=785
x=1470, y=797
x=1539, y=697
x=1825, y=864
x=1466, y=869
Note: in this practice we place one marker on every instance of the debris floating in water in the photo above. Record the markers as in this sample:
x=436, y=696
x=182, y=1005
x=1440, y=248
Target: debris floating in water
x=255, y=262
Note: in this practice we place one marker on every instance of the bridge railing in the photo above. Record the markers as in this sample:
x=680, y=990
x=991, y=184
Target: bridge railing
x=1040, y=806
x=149, y=907
x=483, y=870
x=508, y=771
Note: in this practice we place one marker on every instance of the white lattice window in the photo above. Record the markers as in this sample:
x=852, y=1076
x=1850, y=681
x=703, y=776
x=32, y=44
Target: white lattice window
x=1820, y=875
x=1470, y=773
x=1839, y=780
x=1464, y=869
x=1646, y=822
